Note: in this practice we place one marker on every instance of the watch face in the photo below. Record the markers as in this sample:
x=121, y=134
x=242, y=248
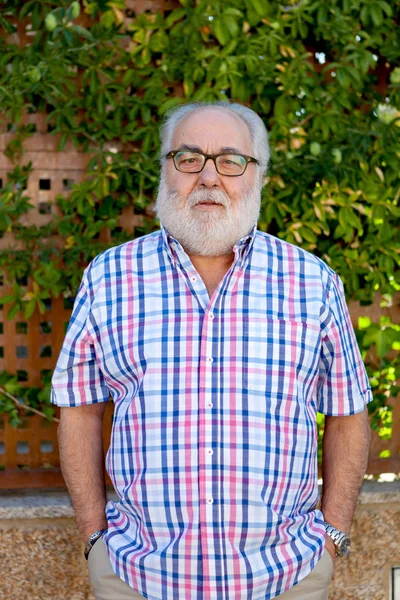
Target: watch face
x=344, y=547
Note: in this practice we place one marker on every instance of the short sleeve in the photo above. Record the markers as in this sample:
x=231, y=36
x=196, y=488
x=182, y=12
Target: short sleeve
x=77, y=379
x=343, y=386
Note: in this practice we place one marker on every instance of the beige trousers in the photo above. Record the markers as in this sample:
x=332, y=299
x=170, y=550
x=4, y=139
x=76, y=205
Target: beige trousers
x=108, y=586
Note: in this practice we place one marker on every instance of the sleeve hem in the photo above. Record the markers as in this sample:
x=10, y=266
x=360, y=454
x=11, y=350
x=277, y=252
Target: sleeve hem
x=66, y=403
x=359, y=404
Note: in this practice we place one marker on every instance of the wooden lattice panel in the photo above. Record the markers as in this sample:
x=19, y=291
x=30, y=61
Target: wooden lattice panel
x=29, y=454
x=29, y=347
x=32, y=445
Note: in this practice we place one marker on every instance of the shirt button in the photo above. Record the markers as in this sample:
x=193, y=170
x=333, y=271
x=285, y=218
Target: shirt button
x=210, y=359
x=211, y=316
x=209, y=404
x=210, y=451
x=193, y=279
x=210, y=500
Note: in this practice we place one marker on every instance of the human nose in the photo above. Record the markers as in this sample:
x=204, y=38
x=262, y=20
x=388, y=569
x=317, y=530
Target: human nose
x=209, y=176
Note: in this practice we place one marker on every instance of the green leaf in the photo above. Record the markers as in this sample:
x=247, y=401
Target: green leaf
x=221, y=31
x=376, y=14
x=14, y=310
x=343, y=78
x=322, y=15
x=9, y=27
x=81, y=31
x=29, y=309
x=7, y=298
x=107, y=19
x=234, y=12
x=281, y=106
x=68, y=37
x=50, y=22
x=364, y=15
x=146, y=56
x=364, y=322
x=62, y=142
x=12, y=386
x=259, y=6
x=232, y=25
x=174, y=16
x=253, y=17
x=170, y=103
x=382, y=337
x=386, y=8
x=15, y=420
x=26, y=8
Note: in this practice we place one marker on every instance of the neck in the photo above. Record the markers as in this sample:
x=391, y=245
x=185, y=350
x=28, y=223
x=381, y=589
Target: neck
x=212, y=269
x=212, y=263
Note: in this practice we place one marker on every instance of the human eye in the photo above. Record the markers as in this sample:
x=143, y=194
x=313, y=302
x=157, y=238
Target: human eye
x=231, y=163
x=188, y=160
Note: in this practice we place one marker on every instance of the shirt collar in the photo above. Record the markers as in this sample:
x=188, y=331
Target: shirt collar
x=245, y=244
x=241, y=249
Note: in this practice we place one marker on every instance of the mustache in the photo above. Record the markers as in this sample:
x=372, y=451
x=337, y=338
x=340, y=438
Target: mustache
x=216, y=196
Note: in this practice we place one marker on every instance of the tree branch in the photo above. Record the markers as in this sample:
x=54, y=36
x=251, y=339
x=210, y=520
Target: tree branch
x=23, y=406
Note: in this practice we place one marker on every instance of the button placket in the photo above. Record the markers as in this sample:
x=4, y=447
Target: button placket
x=206, y=426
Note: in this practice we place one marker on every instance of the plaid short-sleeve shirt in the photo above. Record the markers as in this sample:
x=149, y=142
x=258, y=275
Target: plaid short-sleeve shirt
x=213, y=451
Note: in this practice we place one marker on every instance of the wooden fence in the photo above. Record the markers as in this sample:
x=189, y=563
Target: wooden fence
x=29, y=454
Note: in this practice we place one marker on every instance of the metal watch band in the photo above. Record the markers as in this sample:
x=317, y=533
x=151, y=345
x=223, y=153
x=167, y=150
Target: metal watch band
x=339, y=538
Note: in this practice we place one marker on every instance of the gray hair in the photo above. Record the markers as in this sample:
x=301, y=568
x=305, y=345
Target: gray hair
x=258, y=132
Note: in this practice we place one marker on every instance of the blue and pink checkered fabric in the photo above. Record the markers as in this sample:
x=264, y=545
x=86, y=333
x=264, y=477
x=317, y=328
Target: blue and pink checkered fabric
x=214, y=449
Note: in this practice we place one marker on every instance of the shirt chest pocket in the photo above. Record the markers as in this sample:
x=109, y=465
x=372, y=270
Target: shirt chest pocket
x=281, y=355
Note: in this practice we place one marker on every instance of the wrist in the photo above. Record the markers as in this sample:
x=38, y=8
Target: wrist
x=338, y=521
x=87, y=532
x=339, y=539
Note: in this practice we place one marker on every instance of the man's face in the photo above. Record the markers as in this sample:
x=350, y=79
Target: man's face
x=208, y=212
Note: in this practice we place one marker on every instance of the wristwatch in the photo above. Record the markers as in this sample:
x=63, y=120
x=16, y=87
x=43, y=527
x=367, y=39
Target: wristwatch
x=339, y=538
x=92, y=540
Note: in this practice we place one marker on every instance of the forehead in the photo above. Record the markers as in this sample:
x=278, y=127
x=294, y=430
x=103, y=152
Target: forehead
x=212, y=129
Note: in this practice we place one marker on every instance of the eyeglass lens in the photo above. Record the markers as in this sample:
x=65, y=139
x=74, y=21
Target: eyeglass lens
x=227, y=164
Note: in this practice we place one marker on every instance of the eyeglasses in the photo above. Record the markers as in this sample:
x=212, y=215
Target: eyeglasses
x=231, y=165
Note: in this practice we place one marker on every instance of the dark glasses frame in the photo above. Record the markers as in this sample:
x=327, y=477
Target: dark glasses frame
x=213, y=157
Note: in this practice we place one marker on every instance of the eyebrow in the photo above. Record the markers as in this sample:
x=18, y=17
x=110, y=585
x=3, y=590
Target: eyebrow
x=224, y=150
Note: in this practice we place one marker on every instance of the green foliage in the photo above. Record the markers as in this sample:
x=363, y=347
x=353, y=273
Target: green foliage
x=383, y=371
x=33, y=397
x=322, y=75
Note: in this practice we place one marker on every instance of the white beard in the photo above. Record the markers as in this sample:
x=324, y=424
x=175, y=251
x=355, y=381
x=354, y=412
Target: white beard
x=207, y=232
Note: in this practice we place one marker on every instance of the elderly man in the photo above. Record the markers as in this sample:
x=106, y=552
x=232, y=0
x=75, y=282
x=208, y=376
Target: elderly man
x=218, y=345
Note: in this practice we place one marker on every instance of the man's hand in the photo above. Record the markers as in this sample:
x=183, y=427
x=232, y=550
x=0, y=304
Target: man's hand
x=330, y=547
